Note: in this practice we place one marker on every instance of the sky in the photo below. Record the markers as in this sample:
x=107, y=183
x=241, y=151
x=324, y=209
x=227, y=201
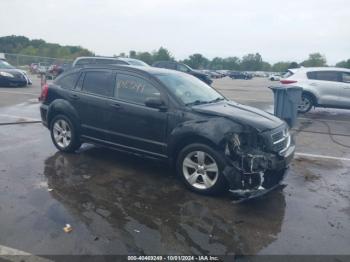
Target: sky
x=278, y=30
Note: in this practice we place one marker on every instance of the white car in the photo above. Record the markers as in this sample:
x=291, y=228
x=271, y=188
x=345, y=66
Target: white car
x=322, y=86
x=275, y=77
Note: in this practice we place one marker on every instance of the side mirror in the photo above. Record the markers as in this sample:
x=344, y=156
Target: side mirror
x=155, y=102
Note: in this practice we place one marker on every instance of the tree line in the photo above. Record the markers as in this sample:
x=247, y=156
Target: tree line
x=249, y=62
x=38, y=47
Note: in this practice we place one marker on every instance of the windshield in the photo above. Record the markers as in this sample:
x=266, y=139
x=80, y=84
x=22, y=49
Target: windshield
x=5, y=65
x=188, y=89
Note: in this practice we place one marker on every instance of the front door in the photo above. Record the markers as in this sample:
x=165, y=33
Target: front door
x=134, y=125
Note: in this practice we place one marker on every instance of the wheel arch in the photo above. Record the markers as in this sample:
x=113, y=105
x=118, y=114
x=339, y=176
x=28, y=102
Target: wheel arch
x=185, y=140
x=312, y=95
x=61, y=106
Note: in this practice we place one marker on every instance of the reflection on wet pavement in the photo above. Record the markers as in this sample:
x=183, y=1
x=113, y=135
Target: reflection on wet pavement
x=151, y=212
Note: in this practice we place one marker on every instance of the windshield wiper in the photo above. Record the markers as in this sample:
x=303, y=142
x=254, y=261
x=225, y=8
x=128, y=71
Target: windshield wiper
x=216, y=100
x=196, y=102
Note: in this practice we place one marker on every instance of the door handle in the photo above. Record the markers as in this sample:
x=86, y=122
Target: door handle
x=116, y=106
x=75, y=97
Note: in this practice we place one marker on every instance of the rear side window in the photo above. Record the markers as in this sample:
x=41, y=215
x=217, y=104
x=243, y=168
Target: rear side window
x=345, y=76
x=99, y=83
x=134, y=89
x=324, y=75
x=68, y=81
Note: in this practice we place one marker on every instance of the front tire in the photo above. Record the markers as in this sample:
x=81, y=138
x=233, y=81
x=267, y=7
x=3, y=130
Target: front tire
x=306, y=104
x=64, y=134
x=200, y=168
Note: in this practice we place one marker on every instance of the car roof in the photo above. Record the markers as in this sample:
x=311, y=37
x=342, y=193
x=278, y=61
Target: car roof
x=165, y=61
x=311, y=69
x=96, y=57
x=141, y=69
x=127, y=59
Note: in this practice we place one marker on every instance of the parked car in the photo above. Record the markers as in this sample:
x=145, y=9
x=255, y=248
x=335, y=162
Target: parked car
x=240, y=75
x=43, y=67
x=11, y=76
x=212, y=74
x=183, y=68
x=275, y=77
x=322, y=86
x=33, y=68
x=100, y=60
x=213, y=143
x=57, y=69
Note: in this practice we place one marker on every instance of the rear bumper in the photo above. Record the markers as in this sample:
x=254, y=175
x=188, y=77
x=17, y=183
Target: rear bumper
x=43, y=113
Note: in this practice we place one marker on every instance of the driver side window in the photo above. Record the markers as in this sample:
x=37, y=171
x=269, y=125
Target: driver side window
x=134, y=89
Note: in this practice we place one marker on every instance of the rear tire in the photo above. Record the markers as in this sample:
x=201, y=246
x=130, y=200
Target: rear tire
x=64, y=134
x=307, y=102
x=200, y=168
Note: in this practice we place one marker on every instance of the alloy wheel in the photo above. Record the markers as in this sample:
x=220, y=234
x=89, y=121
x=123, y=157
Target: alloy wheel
x=200, y=170
x=62, y=133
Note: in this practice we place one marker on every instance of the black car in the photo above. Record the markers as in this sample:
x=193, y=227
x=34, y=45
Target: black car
x=10, y=76
x=213, y=143
x=240, y=75
x=183, y=68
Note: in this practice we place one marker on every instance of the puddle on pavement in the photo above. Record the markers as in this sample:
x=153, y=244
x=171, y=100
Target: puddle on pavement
x=151, y=212
x=120, y=204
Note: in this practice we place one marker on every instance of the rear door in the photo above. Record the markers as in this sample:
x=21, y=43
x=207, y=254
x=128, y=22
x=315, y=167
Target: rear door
x=134, y=125
x=91, y=100
x=327, y=84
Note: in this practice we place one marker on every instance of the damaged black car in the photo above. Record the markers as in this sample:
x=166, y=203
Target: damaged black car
x=214, y=144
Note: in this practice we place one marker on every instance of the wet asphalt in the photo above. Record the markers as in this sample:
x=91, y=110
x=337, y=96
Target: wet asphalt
x=121, y=204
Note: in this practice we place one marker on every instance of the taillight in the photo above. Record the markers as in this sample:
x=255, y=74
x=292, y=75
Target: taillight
x=44, y=92
x=286, y=81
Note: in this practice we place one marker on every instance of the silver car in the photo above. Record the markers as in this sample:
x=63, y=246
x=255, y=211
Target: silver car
x=322, y=86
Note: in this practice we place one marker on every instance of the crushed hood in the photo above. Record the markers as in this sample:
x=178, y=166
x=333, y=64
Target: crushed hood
x=242, y=114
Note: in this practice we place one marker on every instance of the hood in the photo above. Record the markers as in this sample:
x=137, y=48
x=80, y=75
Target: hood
x=17, y=73
x=242, y=114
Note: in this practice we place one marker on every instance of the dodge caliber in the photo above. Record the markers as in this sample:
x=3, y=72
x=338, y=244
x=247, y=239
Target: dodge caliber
x=214, y=144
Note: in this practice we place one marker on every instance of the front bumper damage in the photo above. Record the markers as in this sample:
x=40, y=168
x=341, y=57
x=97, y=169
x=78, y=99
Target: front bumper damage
x=254, y=173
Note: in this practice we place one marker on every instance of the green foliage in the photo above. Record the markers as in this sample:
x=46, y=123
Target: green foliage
x=314, y=60
x=162, y=55
x=280, y=66
x=38, y=47
x=146, y=57
x=252, y=62
x=197, y=61
x=344, y=64
x=293, y=65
